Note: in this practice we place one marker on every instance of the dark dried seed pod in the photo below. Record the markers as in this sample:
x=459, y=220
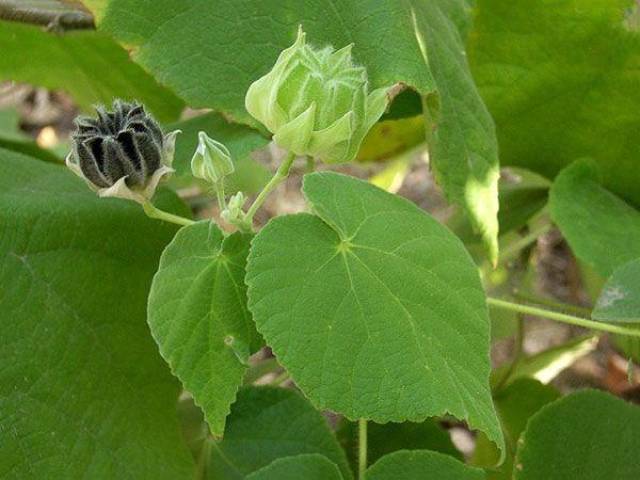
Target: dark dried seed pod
x=126, y=142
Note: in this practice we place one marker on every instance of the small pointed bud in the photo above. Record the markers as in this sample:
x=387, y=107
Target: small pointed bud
x=233, y=213
x=316, y=102
x=211, y=160
x=121, y=153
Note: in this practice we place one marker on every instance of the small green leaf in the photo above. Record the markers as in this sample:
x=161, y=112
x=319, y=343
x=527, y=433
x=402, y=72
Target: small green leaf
x=602, y=230
x=421, y=464
x=90, y=66
x=375, y=309
x=391, y=437
x=301, y=467
x=588, y=435
x=620, y=297
x=268, y=423
x=83, y=391
x=198, y=315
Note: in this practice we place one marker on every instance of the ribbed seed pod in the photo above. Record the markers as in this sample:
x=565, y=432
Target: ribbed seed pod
x=121, y=152
x=124, y=142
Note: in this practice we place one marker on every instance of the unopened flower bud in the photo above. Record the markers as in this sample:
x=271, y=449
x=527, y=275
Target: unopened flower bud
x=211, y=160
x=316, y=102
x=233, y=214
x=121, y=153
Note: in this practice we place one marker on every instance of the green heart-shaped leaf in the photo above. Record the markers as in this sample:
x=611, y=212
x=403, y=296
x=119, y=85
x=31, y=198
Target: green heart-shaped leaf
x=375, y=309
x=199, y=317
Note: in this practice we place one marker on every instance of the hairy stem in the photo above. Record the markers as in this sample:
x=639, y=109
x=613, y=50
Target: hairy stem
x=280, y=175
x=362, y=448
x=562, y=317
x=153, y=212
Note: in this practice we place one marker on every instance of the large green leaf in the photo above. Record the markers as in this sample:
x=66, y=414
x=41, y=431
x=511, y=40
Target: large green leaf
x=199, y=317
x=268, y=423
x=307, y=467
x=561, y=81
x=231, y=44
x=374, y=308
x=421, y=464
x=588, y=435
x=602, y=230
x=620, y=297
x=88, y=65
x=391, y=437
x=83, y=391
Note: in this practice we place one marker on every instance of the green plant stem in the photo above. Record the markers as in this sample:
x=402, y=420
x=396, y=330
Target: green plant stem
x=311, y=164
x=153, y=212
x=204, y=457
x=362, y=449
x=518, y=351
x=280, y=379
x=562, y=317
x=222, y=203
x=514, y=248
x=280, y=175
x=575, y=309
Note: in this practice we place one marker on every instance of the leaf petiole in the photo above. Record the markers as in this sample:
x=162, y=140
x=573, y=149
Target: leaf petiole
x=362, y=448
x=280, y=175
x=222, y=202
x=153, y=212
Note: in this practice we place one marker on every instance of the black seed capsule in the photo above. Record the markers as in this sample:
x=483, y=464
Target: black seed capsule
x=125, y=142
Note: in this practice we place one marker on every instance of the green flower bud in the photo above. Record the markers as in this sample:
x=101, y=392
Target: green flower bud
x=211, y=160
x=316, y=102
x=122, y=153
x=233, y=213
